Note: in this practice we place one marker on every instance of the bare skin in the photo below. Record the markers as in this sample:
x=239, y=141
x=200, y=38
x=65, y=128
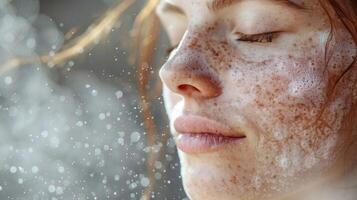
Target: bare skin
x=259, y=66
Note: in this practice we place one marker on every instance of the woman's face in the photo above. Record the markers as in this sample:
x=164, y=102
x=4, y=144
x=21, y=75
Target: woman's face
x=256, y=103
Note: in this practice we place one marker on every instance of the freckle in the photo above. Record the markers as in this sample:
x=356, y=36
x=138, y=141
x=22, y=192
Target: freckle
x=233, y=180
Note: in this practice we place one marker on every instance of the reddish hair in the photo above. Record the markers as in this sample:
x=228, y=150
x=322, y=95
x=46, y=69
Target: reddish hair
x=345, y=11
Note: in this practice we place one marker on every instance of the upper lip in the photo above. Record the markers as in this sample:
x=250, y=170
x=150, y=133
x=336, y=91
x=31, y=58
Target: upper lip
x=193, y=124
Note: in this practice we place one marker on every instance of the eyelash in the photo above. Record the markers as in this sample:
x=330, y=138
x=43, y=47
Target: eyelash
x=259, y=38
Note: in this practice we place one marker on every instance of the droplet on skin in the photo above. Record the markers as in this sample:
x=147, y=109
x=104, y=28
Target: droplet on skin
x=310, y=161
x=283, y=162
x=257, y=182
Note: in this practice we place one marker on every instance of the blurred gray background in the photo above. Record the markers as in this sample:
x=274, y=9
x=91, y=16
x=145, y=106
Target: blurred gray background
x=76, y=131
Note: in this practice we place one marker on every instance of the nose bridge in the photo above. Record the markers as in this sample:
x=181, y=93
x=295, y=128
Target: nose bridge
x=197, y=37
x=208, y=40
x=189, y=71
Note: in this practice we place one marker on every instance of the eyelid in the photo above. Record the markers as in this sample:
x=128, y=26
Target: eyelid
x=251, y=37
x=255, y=34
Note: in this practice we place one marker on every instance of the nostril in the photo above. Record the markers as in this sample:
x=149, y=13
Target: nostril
x=185, y=88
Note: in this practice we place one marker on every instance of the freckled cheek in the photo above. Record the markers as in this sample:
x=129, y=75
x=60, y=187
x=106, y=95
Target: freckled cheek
x=290, y=92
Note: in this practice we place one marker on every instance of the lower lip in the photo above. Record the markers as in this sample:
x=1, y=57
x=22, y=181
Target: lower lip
x=203, y=143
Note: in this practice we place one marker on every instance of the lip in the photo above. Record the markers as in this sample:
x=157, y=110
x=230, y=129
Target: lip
x=198, y=134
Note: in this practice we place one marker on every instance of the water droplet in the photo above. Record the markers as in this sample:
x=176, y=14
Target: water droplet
x=60, y=169
x=116, y=177
x=31, y=43
x=94, y=93
x=97, y=151
x=158, y=176
x=34, y=169
x=144, y=182
x=44, y=133
x=8, y=80
x=79, y=123
x=158, y=165
x=59, y=190
x=121, y=141
x=119, y=94
x=101, y=116
x=51, y=188
x=71, y=63
x=134, y=137
x=13, y=169
x=54, y=142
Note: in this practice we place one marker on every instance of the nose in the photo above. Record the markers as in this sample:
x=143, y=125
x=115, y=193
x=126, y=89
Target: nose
x=190, y=75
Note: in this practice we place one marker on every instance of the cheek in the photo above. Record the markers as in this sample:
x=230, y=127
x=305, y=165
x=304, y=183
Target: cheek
x=288, y=102
x=281, y=91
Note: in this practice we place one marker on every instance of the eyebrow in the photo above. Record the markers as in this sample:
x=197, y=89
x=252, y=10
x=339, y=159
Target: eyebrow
x=216, y=5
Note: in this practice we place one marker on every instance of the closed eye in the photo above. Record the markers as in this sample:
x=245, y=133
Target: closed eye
x=259, y=38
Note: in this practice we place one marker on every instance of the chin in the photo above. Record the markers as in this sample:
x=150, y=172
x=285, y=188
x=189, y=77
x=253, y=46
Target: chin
x=210, y=185
x=224, y=175
x=211, y=176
